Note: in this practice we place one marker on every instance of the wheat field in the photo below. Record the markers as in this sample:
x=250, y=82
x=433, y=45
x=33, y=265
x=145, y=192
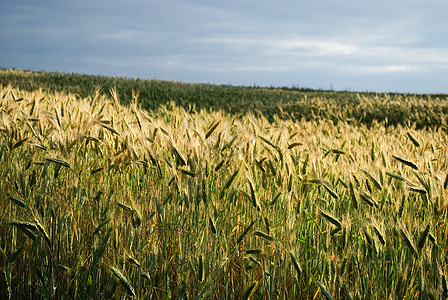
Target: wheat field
x=104, y=198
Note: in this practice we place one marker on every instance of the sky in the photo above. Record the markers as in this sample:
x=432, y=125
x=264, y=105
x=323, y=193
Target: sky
x=376, y=46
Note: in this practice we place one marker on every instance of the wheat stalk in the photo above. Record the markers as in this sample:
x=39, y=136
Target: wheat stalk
x=406, y=162
x=124, y=281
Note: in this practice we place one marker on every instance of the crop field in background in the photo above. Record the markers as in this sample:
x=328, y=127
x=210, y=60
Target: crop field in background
x=122, y=188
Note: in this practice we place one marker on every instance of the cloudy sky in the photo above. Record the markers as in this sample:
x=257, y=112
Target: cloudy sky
x=379, y=45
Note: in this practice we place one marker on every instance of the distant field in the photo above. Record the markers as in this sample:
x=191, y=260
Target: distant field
x=286, y=104
x=119, y=188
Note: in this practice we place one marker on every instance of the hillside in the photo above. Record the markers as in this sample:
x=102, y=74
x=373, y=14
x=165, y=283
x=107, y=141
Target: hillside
x=296, y=104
